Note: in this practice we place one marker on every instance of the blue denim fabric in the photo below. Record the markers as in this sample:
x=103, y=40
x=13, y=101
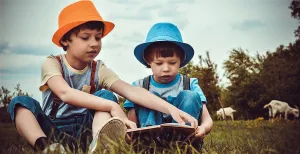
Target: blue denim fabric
x=75, y=129
x=187, y=101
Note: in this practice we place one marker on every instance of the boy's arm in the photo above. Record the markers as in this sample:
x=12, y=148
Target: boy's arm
x=82, y=99
x=145, y=98
x=132, y=115
x=206, y=123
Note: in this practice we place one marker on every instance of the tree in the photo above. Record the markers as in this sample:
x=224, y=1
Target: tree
x=6, y=96
x=188, y=70
x=245, y=87
x=295, y=7
x=19, y=91
x=281, y=75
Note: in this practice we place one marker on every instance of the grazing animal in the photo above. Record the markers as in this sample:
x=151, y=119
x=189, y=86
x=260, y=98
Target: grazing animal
x=280, y=107
x=228, y=113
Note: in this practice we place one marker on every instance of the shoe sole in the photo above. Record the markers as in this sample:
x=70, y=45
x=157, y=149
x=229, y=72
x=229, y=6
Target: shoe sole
x=113, y=132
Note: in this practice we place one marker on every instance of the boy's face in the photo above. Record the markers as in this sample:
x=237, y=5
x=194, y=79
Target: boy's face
x=84, y=46
x=165, y=69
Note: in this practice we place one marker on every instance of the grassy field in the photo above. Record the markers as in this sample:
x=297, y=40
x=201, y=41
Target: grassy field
x=254, y=136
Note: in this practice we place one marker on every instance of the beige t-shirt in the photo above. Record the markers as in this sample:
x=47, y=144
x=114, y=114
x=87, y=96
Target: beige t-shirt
x=77, y=79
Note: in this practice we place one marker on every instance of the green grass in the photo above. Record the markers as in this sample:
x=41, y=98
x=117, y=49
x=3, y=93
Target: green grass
x=255, y=136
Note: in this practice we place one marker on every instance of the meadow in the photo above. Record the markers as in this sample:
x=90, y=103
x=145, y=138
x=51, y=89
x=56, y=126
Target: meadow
x=244, y=136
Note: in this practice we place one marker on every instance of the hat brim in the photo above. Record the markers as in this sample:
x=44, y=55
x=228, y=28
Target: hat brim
x=187, y=49
x=108, y=27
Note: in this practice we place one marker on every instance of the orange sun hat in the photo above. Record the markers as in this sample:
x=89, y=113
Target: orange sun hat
x=76, y=14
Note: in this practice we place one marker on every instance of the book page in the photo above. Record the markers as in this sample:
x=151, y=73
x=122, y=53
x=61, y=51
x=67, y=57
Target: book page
x=176, y=125
x=143, y=128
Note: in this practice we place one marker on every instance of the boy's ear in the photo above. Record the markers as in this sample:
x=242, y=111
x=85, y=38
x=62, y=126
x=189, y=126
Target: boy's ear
x=148, y=63
x=65, y=43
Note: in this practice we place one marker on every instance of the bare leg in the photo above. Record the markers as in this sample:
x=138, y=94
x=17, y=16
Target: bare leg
x=27, y=125
x=99, y=119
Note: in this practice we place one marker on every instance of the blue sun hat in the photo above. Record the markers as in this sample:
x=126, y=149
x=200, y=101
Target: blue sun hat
x=167, y=32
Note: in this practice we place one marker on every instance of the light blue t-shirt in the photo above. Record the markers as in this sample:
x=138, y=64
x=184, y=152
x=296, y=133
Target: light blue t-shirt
x=167, y=91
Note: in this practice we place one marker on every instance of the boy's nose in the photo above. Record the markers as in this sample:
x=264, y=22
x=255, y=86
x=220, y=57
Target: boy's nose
x=94, y=43
x=166, y=68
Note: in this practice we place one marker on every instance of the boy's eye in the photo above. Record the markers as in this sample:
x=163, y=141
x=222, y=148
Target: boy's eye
x=172, y=63
x=84, y=38
x=98, y=38
x=158, y=63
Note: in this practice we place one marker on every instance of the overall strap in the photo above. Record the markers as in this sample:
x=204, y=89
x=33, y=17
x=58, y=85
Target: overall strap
x=146, y=82
x=56, y=99
x=92, y=80
x=186, y=83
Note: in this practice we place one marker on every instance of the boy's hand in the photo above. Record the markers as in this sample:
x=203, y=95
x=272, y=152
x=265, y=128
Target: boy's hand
x=116, y=111
x=183, y=117
x=200, y=132
x=130, y=124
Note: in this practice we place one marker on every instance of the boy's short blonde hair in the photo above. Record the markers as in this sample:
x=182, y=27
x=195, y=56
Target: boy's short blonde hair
x=162, y=49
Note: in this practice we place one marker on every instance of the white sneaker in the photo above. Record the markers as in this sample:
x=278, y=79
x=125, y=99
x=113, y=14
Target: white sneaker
x=54, y=148
x=112, y=133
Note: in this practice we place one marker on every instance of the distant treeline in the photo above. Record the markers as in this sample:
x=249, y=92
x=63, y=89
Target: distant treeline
x=254, y=80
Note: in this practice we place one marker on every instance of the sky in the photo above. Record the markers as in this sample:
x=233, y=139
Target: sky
x=217, y=26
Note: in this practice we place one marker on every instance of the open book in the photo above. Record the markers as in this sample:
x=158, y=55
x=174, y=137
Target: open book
x=166, y=131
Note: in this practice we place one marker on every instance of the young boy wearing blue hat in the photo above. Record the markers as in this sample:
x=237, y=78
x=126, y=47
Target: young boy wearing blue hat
x=164, y=52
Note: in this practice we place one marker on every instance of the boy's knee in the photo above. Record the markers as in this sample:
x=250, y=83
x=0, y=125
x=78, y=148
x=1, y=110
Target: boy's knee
x=189, y=94
x=106, y=95
x=190, y=97
x=22, y=103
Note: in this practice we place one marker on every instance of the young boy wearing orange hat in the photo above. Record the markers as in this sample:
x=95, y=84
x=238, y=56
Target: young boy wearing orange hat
x=75, y=110
x=165, y=52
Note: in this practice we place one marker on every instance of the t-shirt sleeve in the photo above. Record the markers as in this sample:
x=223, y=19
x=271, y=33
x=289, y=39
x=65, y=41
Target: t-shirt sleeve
x=195, y=87
x=106, y=76
x=50, y=67
x=128, y=105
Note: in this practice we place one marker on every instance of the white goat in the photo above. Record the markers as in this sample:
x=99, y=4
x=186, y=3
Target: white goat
x=280, y=107
x=228, y=113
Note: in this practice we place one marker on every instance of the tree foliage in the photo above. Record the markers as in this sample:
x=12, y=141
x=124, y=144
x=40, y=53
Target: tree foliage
x=255, y=81
x=295, y=7
x=243, y=70
x=6, y=96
